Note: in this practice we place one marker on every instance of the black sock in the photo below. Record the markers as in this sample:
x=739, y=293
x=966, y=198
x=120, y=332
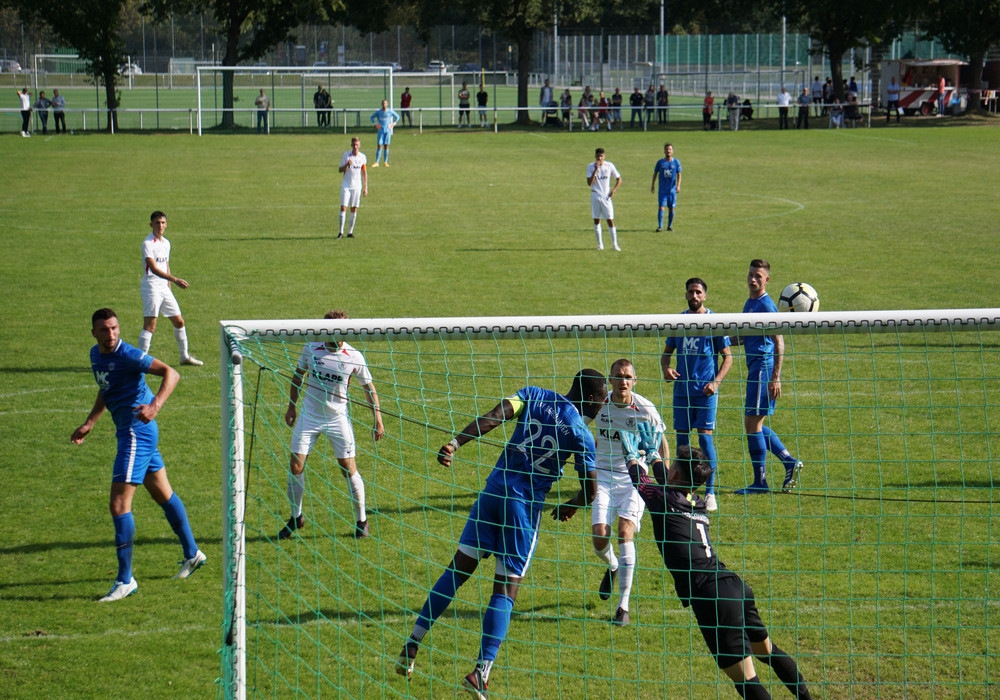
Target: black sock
x=787, y=670
x=752, y=689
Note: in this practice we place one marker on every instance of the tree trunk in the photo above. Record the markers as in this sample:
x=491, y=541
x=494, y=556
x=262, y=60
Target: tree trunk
x=836, y=53
x=231, y=58
x=976, y=61
x=111, y=99
x=523, y=37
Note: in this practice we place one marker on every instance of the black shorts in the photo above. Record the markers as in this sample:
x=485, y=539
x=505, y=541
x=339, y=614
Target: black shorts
x=728, y=617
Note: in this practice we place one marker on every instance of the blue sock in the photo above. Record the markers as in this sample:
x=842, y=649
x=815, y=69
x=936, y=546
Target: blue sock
x=670, y=219
x=659, y=219
x=757, y=447
x=441, y=595
x=778, y=449
x=176, y=514
x=124, y=539
x=707, y=443
x=496, y=620
x=683, y=439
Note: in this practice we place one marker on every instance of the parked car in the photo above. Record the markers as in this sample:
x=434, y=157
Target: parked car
x=9, y=66
x=129, y=69
x=321, y=64
x=436, y=67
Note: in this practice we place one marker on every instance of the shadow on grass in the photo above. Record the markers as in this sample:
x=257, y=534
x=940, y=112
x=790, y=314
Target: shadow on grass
x=34, y=547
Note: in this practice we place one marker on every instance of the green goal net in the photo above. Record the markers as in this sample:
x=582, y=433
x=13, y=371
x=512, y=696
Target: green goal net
x=879, y=574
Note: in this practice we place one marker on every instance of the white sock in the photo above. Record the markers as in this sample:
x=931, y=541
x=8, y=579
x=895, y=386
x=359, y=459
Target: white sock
x=145, y=338
x=181, y=335
x=608, y=555
x=296, y=490
x=597, y=233
x=343, y=217
x=357, y=487
x=614, y=235
x=354, y=217
x=626, y=567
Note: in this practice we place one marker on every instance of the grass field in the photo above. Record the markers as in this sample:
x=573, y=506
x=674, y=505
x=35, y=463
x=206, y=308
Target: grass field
x=472, y=223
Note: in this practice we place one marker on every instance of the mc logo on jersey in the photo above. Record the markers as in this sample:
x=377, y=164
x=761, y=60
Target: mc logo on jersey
x=690, y=346
x=102, y=379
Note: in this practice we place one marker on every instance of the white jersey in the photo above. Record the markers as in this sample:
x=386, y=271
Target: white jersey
x=327, y=375
x=159, y=251
x=352, y=176
x=602, y=183
x=611, y=422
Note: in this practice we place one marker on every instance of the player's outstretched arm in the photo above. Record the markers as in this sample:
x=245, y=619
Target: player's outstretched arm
x=147, y=412
x=584, y=497
x=80, y=433
x=477, y=428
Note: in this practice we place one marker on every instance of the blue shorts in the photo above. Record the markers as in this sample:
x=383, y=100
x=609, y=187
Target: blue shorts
x=668, y=200
x=505, y=527
x=758, y=400
x=384, y=137
x=137, y=454
x=695, y=411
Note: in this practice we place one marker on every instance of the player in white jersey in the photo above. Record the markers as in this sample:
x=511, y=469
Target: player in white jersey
x=623, y=411
x=599, y=176
x=327, y=369
x=354, y=165
x=157, y=297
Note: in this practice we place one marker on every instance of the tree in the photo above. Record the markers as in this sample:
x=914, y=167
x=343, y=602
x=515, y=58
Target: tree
x=841, y=25
x=250, y=28
x=93, y=29
x=968, y=28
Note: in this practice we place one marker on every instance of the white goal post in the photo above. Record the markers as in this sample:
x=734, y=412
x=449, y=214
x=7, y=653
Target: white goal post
x=356, y=88
x=432, y=356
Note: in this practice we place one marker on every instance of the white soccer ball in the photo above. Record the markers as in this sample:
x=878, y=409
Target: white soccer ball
x=798, y=296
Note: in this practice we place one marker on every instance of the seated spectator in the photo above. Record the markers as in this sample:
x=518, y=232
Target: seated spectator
x=566, y=104
x=955, y=103
x=746, y=111
x=836, y=114
x=852, y=113
x=584, y=111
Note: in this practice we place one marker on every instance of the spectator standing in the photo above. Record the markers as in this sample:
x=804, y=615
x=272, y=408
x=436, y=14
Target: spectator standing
x=649, y=100
x=803, y=101
x=892, y=97
x=482, y=98
x=635, y=101
x=404, y=106
x=42, y=105
x=616, y=108
x=25, y=98
x=58, y=107
x=784, y=102
x=263, y=104
x=566, y=105
x=707, y=109
x=464, y=105
x=662, y=102
x=817, y=96
x=941, y=94
x=733, y=111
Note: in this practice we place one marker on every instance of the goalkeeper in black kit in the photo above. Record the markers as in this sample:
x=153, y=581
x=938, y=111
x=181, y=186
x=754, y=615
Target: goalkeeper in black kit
x=722, y=603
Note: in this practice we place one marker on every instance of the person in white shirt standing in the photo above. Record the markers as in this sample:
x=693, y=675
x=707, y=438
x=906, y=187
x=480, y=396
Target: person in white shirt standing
x=599, y=176
x=157, y=296
x=623, y=411
x=25, y=98
x=354, y=166
x=327, y=369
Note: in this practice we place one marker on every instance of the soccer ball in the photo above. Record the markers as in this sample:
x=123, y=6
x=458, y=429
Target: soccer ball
x=798, y=296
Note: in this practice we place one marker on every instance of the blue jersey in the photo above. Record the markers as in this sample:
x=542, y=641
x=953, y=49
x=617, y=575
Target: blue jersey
x=697, y=360
x=667, y=170
x=759, y=348
x=549, y=430
x=384, y=117
x=121, y=378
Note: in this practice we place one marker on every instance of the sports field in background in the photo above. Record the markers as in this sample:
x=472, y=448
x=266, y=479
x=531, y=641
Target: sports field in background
x=463, y=223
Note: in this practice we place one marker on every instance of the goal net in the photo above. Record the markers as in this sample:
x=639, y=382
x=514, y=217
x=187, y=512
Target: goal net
x=355, y=92
x=878, y=574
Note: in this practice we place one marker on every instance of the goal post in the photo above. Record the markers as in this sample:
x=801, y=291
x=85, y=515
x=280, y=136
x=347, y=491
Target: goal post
x=355, y=91
x=878, y=574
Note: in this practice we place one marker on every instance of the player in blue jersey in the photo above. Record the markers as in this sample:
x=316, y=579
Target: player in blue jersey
x=119, y=370
x=668, y=171
x=764, y=355
x=504, y=520
x=696, y=382
x=384, y=120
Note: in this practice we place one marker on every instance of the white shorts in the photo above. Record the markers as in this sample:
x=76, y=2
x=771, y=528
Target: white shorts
x=617, y=501
x=337, y=429
x=601, y=208
x=350, y=198
x=158, y=300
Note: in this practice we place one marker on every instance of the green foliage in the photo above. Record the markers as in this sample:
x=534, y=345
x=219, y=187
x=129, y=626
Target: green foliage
x=462, y=224
x=966, y=27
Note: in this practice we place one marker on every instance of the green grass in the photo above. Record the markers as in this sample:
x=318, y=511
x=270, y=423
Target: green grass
x=483, y=224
